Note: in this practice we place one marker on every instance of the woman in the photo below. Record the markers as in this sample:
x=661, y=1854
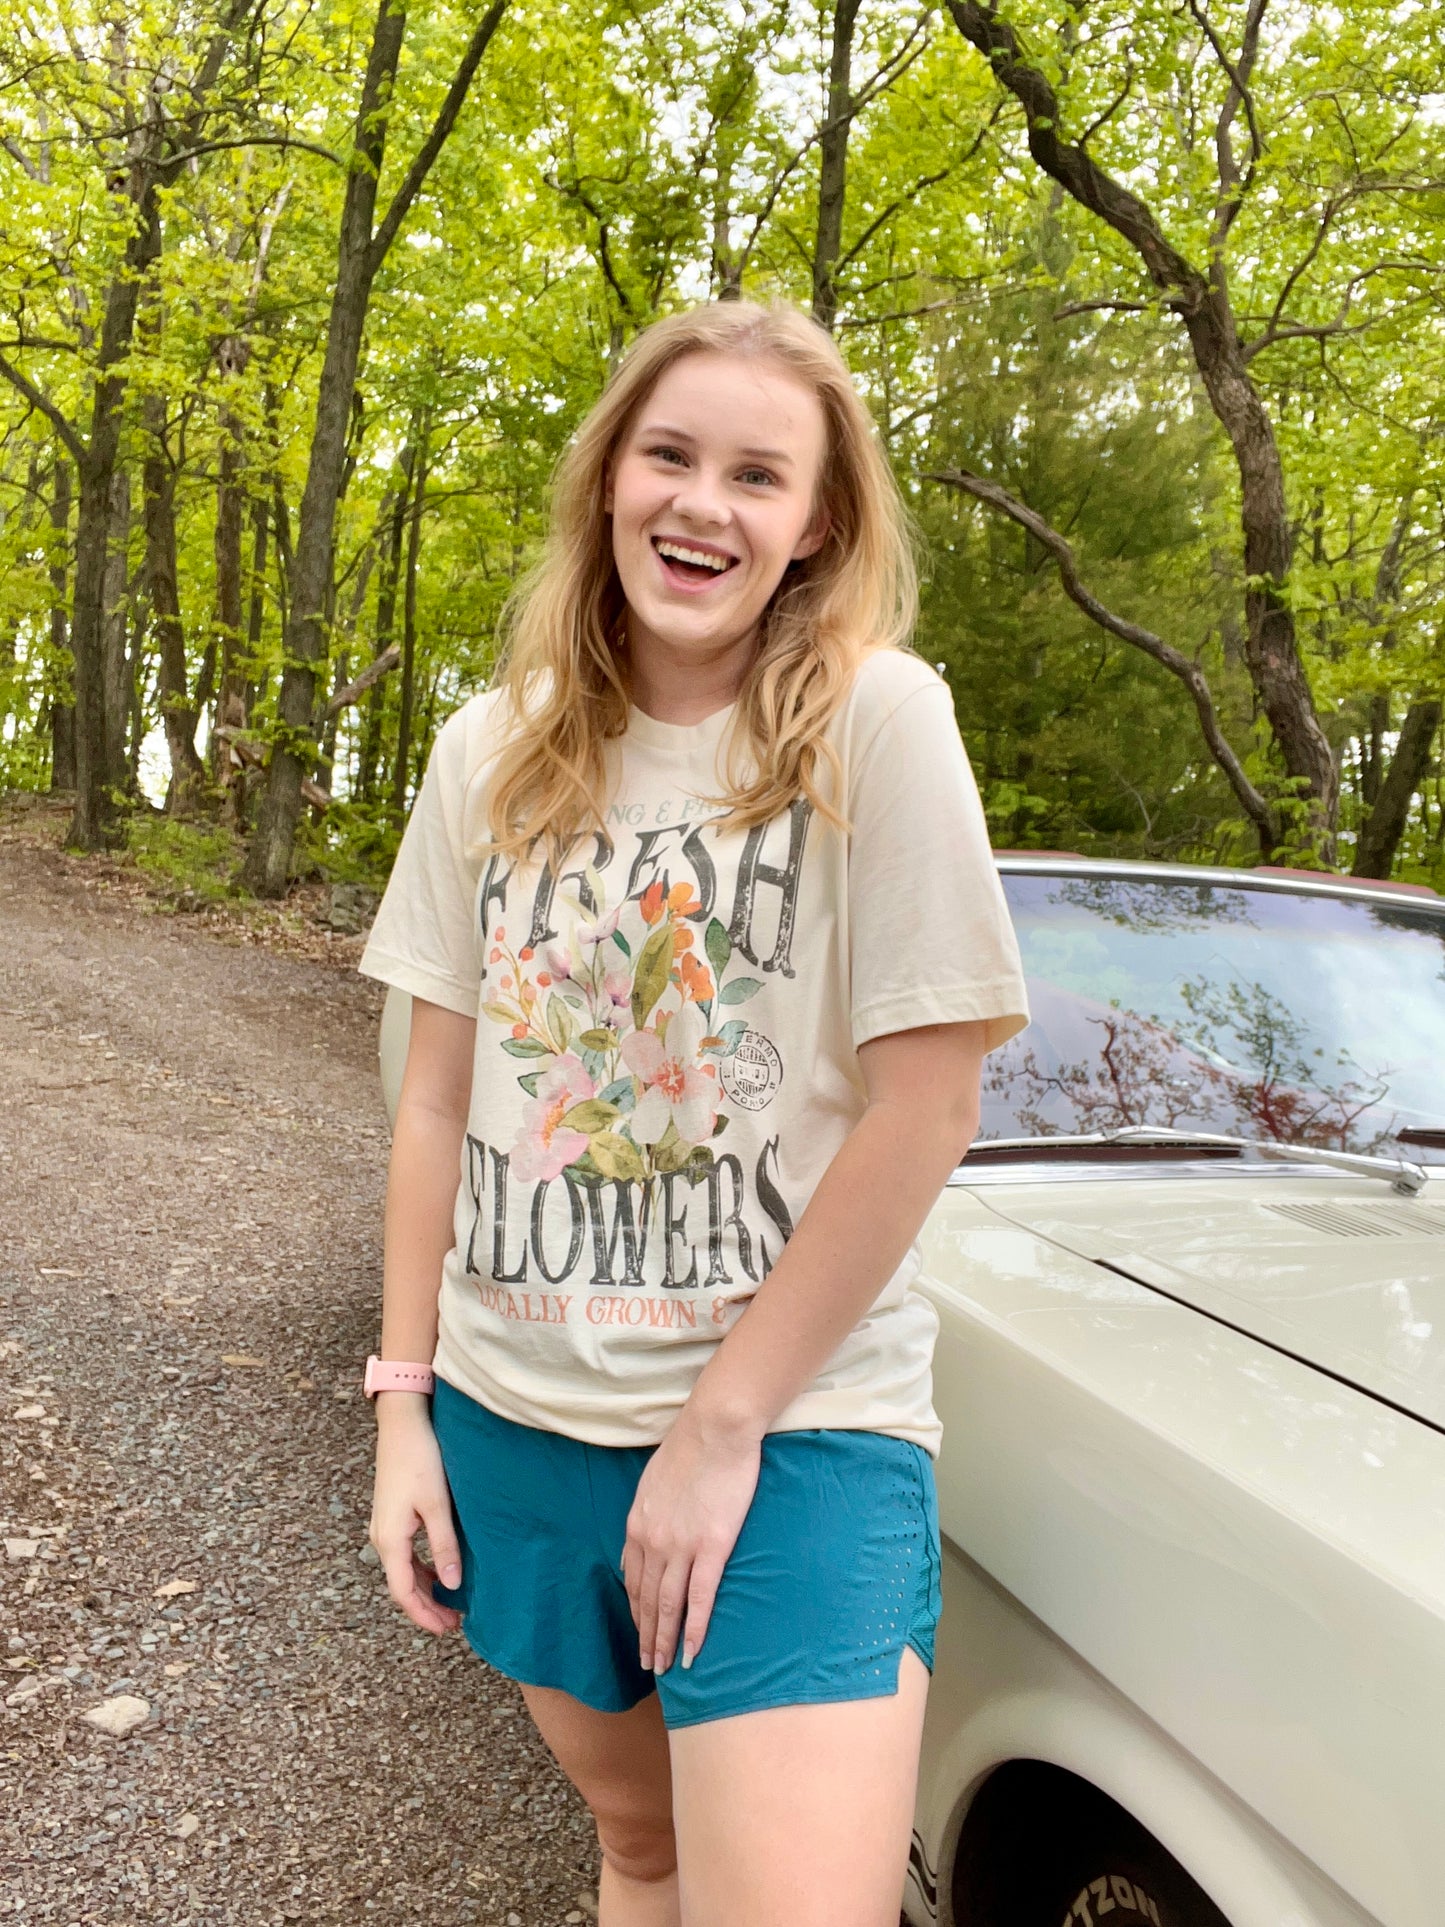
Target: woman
x=709, y=864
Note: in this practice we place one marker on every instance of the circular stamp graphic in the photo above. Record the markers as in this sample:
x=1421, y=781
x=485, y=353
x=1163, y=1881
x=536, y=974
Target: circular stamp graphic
x=753, y=1072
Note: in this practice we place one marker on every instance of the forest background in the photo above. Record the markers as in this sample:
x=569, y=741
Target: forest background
x=301, y=299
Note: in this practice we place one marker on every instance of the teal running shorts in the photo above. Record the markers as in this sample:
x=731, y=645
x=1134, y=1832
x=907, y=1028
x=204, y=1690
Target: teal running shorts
x=835, y=1571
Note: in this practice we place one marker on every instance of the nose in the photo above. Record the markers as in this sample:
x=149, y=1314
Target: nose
x=698, y=498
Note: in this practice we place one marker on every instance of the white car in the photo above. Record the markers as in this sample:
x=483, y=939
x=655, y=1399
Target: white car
x=1191, y=1372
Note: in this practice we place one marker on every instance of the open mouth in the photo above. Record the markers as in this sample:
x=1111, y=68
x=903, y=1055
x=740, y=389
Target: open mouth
x=683, y=564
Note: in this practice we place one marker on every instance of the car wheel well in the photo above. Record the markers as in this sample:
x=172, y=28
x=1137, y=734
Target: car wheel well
x=1030, y=1814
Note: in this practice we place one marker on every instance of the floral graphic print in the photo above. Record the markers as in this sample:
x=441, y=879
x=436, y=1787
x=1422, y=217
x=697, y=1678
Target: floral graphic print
x=626, y=1016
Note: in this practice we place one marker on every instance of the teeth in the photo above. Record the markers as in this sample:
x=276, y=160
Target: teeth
x=717, y=563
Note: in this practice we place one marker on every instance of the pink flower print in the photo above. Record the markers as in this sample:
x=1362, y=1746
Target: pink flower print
x=618, y=985
x=558, y=961
x=545, y=1146
x=675, y=1089
x=602, y=929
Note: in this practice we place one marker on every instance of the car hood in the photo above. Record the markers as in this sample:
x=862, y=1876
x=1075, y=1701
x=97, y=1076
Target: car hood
x=1347, y=1276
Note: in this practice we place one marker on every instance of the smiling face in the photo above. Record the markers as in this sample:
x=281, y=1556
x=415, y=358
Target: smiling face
x=711, y=494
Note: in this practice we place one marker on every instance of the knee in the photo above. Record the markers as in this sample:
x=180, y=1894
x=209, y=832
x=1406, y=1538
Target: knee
x=638, y=1846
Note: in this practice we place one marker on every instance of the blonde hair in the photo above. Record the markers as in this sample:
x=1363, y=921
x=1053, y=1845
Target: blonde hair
x=564, y=627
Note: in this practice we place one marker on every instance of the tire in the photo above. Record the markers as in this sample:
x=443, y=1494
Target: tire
x=1065, y=1855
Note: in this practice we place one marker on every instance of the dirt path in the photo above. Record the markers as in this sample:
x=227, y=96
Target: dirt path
x=192, y=1166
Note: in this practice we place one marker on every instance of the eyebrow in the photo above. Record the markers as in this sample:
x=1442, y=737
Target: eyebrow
x=681, y=435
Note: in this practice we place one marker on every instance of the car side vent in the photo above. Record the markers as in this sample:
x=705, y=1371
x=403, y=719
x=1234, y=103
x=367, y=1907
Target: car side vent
x=1382, y=1220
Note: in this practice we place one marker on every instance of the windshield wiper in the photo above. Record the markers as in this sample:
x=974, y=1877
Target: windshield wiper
x=1404, y=1175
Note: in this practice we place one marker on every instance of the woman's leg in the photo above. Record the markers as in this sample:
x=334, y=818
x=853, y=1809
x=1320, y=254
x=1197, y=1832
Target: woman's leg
x=619, y=1763
x=800, y=1816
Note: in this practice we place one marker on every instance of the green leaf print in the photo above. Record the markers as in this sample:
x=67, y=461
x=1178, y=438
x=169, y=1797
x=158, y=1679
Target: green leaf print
x=530, y=1082
x=622, y=1093
x=738, y=990
x=559, y=1021
x=616, y=1157
x=653, y=973
x=500, y=1013
x=589, y=1116
x=719, y=1127
x=718, y=945
x=600, y=1038
x=731, y=1034
x=622, y=944
x=524, y=1047
x=671, y=1155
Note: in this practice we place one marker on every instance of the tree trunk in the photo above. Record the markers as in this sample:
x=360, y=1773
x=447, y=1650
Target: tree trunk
x=408, y=631
x=256, y=617
x=62, y=705
x=178, y=717
x=99, y=756
x=117, y=670
x=230, y=517
x=305, y=639
x=1202, y=303
x=1372, y=749
x=833, y=173
x=361, y=251
x=369, y=757
x=1380, y=838
x=1271, y=648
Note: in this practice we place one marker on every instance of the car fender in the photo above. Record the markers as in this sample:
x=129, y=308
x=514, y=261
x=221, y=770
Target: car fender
x=1005, y=1688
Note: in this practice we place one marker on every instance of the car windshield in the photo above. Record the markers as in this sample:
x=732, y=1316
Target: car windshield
x=1309, y=1019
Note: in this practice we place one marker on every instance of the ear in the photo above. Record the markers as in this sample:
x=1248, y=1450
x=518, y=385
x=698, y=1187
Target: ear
x=814, y=536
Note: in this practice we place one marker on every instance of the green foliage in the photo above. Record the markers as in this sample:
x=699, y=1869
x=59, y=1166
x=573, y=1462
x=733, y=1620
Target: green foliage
x=354, y=844
x=614, y=163
x=198, y=863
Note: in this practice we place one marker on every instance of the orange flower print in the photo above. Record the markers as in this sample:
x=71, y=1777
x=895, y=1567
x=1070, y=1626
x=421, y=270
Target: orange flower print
x=650, y=902
x=696, y=979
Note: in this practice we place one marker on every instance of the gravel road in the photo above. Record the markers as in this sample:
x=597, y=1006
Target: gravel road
x=192, y=1167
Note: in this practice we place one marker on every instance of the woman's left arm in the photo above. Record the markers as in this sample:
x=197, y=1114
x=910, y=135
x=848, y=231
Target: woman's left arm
x=868, y=1207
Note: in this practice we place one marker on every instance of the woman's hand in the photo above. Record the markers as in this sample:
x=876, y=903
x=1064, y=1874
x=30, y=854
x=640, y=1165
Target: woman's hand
x=686, y=1515
x=411, y=1495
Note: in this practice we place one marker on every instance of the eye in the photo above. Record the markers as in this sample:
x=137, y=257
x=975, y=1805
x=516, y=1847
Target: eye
x=666, y=449
x=759, y=474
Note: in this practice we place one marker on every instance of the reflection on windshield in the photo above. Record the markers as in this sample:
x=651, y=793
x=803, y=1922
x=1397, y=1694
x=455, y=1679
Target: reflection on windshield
x=1308, y=1019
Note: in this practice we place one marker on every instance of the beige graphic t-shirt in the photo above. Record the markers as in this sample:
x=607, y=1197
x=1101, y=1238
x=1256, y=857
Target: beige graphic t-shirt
x=666, y=1050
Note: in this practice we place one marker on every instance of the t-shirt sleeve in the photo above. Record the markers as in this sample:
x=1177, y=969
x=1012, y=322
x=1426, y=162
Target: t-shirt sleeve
x=930, y=939
x=423, y=939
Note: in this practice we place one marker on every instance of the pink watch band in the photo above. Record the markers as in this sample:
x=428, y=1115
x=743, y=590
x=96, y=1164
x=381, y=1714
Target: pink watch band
x=385, y=1375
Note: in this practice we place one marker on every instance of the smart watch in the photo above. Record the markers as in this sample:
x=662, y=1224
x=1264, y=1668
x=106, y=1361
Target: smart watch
x=385, y=1375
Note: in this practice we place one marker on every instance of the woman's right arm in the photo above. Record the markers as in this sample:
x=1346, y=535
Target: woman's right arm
x=410, y=1493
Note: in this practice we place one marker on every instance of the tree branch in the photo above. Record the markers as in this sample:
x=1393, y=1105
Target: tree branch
x=47, y=407
x=1069, y=165
x=1331, y=208
x=256, y=140
x=378, y=667
x=1233, y=188
x=1178, y=665
x=442, y=126
x=17, y=154
x=912, y=193
x=1094, y=307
